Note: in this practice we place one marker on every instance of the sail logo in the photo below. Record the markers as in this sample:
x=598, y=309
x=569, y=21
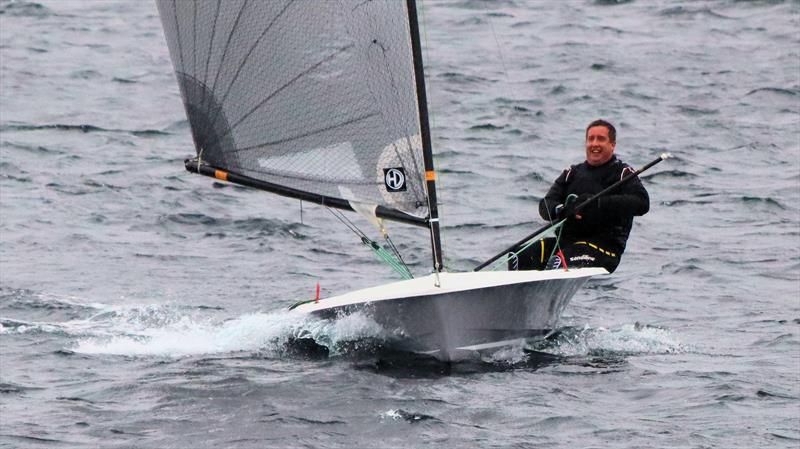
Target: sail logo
x=395, y=179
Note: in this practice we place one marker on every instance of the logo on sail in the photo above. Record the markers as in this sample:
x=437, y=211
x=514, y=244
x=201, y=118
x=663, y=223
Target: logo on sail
x=395, y=179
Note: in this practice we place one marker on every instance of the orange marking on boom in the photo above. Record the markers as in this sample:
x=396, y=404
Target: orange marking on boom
x=219, y=174
x=430, y=175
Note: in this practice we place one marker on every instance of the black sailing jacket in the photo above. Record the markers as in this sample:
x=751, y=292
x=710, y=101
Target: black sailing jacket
x=607, y=223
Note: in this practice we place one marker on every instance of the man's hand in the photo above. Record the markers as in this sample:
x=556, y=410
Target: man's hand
x=563, y=212
x=592, y=209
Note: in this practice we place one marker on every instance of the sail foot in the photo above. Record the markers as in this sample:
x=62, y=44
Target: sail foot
x=210, y=129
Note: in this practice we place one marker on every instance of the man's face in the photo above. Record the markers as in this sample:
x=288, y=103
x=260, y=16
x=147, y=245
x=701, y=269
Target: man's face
x=599, y=147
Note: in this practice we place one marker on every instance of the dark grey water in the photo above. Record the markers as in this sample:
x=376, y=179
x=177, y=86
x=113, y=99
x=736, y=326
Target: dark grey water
x=142, y=306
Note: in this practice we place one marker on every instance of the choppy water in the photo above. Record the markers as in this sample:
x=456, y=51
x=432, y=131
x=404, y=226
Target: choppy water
x=142, y=306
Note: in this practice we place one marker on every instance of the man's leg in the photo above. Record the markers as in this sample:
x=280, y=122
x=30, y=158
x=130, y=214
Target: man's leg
x=534, y=257
x=588, y=254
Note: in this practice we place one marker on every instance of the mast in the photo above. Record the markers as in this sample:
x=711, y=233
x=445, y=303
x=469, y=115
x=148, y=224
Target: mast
x=427, y=155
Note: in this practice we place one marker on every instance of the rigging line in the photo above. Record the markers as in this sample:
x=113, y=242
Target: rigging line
x=515, y=254
x=556, y=228
x=306, y=134
x=571, y=198
x=499, y=50
x=396, y=252
x=340, y=216
x=403, y=269
x=244, y=61
x=280, y=89
x=208, y=58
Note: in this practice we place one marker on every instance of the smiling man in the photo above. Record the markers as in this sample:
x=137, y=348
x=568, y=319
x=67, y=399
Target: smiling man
x=597, y=235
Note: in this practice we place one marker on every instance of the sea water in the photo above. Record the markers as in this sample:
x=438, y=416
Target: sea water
x=143, y=306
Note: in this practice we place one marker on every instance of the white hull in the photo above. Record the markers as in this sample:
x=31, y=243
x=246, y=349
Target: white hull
x=467, y=311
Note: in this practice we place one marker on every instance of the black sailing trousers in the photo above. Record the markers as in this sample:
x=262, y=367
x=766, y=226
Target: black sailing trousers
x=577, y=254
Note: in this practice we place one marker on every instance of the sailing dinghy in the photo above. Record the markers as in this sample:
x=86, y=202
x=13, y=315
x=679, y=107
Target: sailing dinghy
x=325, y=101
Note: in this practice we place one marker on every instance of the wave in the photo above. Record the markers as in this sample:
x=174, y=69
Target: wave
x=10, y=326
x=411, y=417
x=448, y=153
x=591, y=347
x=63, y=127
x=678, y=203
x=452, y=171
x=611, y=2
x=28, y=300
x=460, y=78
x=166, y=331
x=20, y=179
x=692, y=111
x=599, y=67
x=689, y=12
x=175, y=331
x=24, y=9
x=756, y=200
x=124, y=80
x=775, y=90
x=532, y=200
x=530, y=177
x=487, y=126
x=669, y=174
x=625, y=340
x=32, y=148
x=252, y=227
x=629, y=93
x=84, y=128
x=11, y=387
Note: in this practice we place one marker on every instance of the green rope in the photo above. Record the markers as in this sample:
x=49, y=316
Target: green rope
x=504, y=260
x=571, y=198
x=388, y=258
x=394, y=261
x=556, y=229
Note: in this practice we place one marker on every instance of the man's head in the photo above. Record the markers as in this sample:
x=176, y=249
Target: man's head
x=601, y=139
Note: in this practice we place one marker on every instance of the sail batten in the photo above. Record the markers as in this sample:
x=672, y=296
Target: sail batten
x=281, y=89
x=211, y=42
x=227, y=43
x=252, y=48
x=310, y=133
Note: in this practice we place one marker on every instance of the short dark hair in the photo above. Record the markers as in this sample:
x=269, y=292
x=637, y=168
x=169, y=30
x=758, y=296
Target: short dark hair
x=612, y=132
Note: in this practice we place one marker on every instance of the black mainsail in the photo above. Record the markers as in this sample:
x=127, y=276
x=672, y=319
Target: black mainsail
x=321, y=101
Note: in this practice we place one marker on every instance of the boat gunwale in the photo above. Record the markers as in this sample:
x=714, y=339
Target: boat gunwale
x=449, y=282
